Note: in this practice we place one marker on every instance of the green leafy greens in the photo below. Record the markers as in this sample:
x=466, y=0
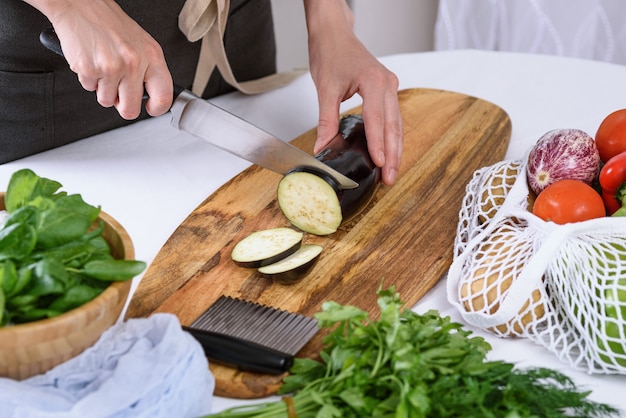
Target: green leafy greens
x=409, y=365
x=51, y=259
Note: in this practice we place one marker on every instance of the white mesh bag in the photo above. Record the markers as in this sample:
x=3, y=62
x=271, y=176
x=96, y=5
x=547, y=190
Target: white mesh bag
x=515, y=275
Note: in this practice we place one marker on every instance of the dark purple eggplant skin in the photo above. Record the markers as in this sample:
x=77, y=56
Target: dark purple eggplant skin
x=348, y=154
x=269, y=260
x=294, y=275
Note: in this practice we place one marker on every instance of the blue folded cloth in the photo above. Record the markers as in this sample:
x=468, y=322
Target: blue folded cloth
x=146, y=367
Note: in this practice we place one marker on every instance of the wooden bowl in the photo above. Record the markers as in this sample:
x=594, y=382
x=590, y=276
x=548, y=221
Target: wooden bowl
x=36, y=347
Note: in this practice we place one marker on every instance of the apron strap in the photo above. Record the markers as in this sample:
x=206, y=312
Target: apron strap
x=206, y=20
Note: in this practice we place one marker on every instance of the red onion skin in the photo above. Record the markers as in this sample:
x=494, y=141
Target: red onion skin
x=562, y=154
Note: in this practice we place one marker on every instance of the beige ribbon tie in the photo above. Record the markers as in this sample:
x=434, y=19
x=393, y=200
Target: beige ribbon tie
x=206, y=20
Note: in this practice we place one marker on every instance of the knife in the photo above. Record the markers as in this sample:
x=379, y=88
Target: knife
x=230, y=133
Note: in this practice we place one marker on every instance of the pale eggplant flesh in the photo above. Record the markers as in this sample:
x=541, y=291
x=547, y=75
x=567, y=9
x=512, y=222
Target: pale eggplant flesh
x=310, y=203
x=266, y=247
x=320, y=210
x=293, y=268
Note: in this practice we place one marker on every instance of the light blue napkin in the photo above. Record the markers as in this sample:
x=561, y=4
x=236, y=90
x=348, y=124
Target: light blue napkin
x=146, y=367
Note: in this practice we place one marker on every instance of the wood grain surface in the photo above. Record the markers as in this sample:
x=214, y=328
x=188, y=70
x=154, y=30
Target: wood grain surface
x=404, y=237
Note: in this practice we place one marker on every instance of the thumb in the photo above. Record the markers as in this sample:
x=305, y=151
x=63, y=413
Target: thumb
x=327, y=126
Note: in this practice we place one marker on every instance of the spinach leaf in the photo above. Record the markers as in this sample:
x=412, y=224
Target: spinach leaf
x=24, y=274
x=113, y=270
x=21, y=302
x=49, y=277
x=60, y=225
x=75, y=297
x=25, y=186
x=17, y=240
x=33, y=313
x=8, y=276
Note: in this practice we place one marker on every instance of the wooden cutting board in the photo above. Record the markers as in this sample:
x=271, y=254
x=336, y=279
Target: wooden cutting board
x=404, y=237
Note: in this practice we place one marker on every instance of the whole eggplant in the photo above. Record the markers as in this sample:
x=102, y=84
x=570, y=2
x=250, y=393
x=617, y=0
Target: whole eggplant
x=562, y=154
x=348, y=154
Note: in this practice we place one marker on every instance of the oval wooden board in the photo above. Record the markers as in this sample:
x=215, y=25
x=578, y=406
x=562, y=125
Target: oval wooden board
x=405, y=236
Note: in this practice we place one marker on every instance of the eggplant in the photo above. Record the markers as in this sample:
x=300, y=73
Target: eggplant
x=292, y=268
x=312, y=201
x=266, y=247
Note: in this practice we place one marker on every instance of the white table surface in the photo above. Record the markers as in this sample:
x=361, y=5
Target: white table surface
x=150, y=177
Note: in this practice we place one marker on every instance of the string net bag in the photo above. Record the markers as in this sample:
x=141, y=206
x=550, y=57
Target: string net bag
x=515, y=275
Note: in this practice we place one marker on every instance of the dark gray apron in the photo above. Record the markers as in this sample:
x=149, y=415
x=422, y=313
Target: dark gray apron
x=42, y=104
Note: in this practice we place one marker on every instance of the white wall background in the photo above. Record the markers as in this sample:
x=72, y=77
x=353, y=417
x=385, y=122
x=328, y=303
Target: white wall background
x=385, y=27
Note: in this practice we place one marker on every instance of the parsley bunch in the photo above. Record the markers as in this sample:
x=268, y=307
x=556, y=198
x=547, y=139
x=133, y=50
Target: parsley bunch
x=409, y=365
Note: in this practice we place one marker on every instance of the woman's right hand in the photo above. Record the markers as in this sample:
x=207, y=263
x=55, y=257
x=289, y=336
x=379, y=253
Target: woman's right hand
x=111, y=54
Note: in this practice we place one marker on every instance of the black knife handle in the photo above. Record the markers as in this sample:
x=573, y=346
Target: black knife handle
x=240, y=353
x=50, y=40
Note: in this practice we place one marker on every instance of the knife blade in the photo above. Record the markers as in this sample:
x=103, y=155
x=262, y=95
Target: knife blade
x=230, y=133
x=243, y=139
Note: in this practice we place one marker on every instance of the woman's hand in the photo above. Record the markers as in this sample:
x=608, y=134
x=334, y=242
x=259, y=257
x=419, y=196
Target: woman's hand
x=111, y=54
x=341, y=66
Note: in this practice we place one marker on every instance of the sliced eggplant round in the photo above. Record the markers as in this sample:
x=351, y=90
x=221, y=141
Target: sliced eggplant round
x=311, y=206
x=310, y=203
x=266, y=247
x=291, y=269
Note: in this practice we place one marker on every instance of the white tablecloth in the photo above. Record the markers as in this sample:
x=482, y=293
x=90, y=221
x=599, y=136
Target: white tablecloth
x=150, y=177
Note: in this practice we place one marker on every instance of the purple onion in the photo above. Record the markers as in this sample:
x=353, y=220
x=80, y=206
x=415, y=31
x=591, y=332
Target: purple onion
x=562, y=154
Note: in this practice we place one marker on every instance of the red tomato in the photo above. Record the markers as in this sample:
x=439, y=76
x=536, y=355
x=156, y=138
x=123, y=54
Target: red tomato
x=569, y=201
x=611, y=135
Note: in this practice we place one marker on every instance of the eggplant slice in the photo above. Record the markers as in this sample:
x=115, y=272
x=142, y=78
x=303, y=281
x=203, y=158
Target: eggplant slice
x=266, y=247
x=310, y=203
x=292, y=269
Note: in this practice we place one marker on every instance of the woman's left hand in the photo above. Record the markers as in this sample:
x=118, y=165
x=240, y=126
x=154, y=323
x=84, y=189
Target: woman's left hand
x=341, y=66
